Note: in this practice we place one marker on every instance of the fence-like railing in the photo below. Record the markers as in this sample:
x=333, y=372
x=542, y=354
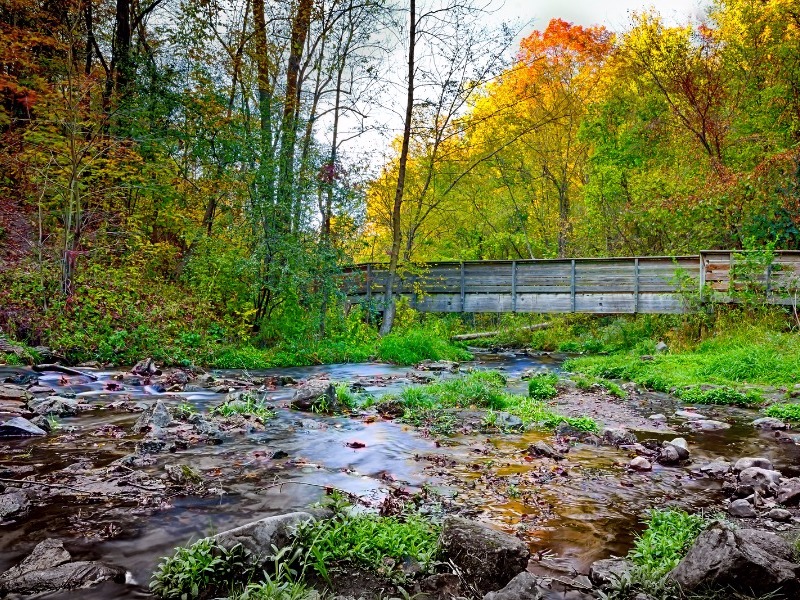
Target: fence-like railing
x=645, y=284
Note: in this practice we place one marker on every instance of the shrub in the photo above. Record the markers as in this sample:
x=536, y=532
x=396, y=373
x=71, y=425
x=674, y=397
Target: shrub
x=543, y=386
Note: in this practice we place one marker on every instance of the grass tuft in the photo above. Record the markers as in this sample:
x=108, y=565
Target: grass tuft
x=785, y=412
x=543, y=386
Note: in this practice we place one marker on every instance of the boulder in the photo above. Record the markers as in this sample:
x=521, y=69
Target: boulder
x=708, y=425
x=55, y=405
x=723, y=557
x=508, y=422
x=608, y=571
x=742, y=509
x=488, y=559
x=780, y=514
x=315, y=395
x=640, y=463
x=265, y=536
x=145, y=368
x=662, y=347
x=716, y=468
x=49, y=568
x=542, y=449
x=19, y=427
x=761, y=480
x=13, y=505
x=156, y=417
x=669, y=455
x=689, y=414
x=618, y=436
x=14, y=393
x=769, y=423
x=682, y=446
x=524, y=586
x=746, y=463
x=789, y=492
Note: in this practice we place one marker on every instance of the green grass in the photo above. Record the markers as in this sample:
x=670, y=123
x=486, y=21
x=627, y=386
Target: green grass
x=543, y=386
x=666, y=540
x=479, y=390
x=785, y=412
x=415, y=345
x=381, y=544
x=345, y=398
x=246, y=404
x=721, y=395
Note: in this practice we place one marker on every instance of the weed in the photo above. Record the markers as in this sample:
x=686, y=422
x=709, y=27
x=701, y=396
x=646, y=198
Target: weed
x=786, y=412
x=53, y=423
x=416, y=345
x=245, y=404
x=203, y=570
x=344, y=397
x=185, y=410
x=543, y=386
x=667, y=538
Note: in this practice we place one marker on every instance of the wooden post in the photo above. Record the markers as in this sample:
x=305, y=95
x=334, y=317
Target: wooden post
x=635, y=286
x=572, y=286
x=463, y=288
x=702, y=277
x=766, y=284
x=369, y=293
x=513, y=286
x=731, y=283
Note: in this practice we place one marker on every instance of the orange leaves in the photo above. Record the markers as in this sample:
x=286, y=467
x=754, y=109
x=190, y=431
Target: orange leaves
x=564, y=45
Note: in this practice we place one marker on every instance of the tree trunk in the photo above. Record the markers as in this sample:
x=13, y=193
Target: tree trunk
x=122, y=46
x=266, y=172
x=389, y=302
x=300, y=26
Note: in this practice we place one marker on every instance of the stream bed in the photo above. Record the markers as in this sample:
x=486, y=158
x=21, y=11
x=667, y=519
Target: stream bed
x=570, y=512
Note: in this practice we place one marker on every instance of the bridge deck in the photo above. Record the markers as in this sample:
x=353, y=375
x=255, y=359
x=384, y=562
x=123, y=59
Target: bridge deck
x=645, y=284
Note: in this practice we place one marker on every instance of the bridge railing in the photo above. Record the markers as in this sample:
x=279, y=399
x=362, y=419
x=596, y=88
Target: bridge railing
x=645, y=284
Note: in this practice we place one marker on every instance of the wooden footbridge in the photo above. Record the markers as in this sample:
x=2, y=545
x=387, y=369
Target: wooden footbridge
x=644, y=284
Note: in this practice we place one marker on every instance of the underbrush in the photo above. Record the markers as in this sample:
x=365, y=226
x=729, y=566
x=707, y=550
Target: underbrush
x=786, y=412
x=429, y=404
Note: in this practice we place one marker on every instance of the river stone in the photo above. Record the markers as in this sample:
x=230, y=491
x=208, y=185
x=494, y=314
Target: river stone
x=658, y=417
x=507, y=421
x=789, y=492
x=524, y=586
x=259, y=537
x=708, y=425
x=689, y=414
x=14, y=393
x=439, y=365
x=769, y=423
x=640, y=463
x=13, y=505
x=156, y=417
x=725, y=558
x=608, y=571
x=780, y=514
x=716, y=468
x=741, y=508
x=669, y=455
x=310, y=395
x=540, y=448
x=48, y=569
x=761, y=480
x=618, y=436
x=20, y=427
x=55, y=405
x=488, y=559
x=746, y=463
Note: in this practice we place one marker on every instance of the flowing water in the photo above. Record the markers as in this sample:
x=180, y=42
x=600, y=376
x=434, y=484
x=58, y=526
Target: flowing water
x=571, y=513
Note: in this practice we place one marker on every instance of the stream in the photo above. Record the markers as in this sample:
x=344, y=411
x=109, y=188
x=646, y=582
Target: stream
x=571, y=512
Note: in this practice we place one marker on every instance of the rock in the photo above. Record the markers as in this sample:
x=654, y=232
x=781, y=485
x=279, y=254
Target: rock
x=542, y=449
x=746, y=463
x=780, y=514
x=661, y=347
x=761, y=480
x=607, y=572
x=14, y=505
x=769, y=423
x=565, y=430
x=709, y=425
x=789, y=492
x=725, y=558
x=259, y=537
x=689, y=414
x=441, y=585
x=14, y=393
x=315, y=395
x=769, y=542
x=617, y=437
x=439, y=365
x=640, y=463
x=682, y=446
x=48, y=569
x=488, y=559
x=507, y=421
x=157, y=416
x=741, y=508
x=658, y=417
x=19, y=427
x=524, y=586
x=145, y=368
x=717, y=468
x=669, y=455
x=182, y=474
x=55, y=405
